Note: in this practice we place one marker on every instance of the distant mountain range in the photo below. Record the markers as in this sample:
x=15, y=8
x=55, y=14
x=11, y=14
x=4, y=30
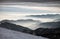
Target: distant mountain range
x=29, y=23
x=50, y=24
x=46, y=16
x=21, y=20
x=34, y=24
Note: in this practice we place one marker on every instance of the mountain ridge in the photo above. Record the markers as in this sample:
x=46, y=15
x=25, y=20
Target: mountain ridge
x=15, y=27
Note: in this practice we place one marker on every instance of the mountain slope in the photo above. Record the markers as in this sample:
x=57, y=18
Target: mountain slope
x=15, y=27
x=10, y=34
x=53, y=33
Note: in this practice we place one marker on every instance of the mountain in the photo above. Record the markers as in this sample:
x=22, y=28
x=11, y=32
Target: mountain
x=50, y=24
x=29, y=23
x=49, y=29
x=46, y=16
x=15, y=27
x=52, y=33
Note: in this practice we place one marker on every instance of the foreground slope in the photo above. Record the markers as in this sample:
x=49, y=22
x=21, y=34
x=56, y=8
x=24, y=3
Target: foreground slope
x=10, y=34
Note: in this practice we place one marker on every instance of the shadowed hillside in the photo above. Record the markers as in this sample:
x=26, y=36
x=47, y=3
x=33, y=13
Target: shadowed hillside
x=51, y=30
x=49, y=33
x=15, y=27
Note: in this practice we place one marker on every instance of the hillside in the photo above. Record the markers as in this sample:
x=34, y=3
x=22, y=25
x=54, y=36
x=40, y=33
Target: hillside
x=10, y=34
x=15, y=27
x=52, y=33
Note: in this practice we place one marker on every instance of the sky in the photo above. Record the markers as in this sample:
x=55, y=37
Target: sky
x=20, y=10
x=28, y=0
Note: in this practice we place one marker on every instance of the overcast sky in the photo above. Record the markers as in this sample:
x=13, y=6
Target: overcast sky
x=19, y=10
x=29, y=0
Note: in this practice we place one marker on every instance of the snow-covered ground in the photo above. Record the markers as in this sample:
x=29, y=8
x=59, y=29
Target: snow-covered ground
x=10, y=34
